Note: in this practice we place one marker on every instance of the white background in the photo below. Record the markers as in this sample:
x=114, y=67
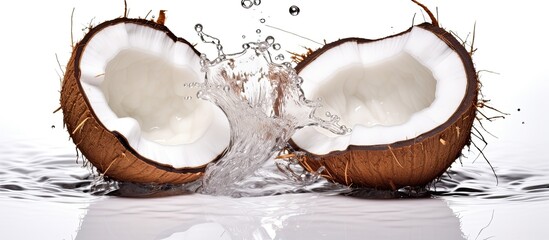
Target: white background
x=511, y=38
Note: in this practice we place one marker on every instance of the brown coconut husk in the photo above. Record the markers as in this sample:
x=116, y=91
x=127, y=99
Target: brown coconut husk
x=109, y=151
x=411, y=162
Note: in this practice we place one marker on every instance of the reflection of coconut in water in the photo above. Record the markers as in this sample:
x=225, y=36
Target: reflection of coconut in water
x=289, y=216
x=410, y=100
x=130, y=107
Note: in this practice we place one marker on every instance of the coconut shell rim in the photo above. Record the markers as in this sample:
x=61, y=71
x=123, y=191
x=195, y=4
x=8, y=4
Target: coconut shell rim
x=79, y=49
x=470, y=90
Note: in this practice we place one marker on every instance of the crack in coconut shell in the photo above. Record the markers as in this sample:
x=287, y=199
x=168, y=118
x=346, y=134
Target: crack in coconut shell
x=109, y=151
x=409, y=162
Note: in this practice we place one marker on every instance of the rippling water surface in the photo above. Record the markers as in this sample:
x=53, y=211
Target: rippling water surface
x=44, y=185
x=40, y=171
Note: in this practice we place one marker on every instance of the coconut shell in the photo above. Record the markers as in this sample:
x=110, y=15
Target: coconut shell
x=412, y=162
x=109, y=151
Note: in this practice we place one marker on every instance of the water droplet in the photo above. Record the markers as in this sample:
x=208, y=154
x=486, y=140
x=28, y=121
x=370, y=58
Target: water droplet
x=276, y=46
x=198, y=27
x=188, y=98
x=247, y=3
x=52, y=126
x=270, y=40
x=226, y=88
x=280, y=57
x=219, y=47
x=294, y=10
x=200, y=94
x=257, y=2
x=262, y=20
x=245, y=46
x=258, y=31
x=243, y=36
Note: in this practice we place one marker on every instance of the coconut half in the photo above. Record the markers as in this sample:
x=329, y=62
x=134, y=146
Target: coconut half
x=410, y=100
x=129, y=104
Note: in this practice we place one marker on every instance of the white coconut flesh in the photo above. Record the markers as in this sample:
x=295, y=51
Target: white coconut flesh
x=134, y=77
x=387, y=91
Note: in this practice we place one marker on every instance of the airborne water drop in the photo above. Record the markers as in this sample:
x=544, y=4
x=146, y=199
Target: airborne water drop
x=198, y=27
x=294, y=10
x=270, y=40
x=246, y=3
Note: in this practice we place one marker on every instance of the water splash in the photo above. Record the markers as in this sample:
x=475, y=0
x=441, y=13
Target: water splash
x=264, y=104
